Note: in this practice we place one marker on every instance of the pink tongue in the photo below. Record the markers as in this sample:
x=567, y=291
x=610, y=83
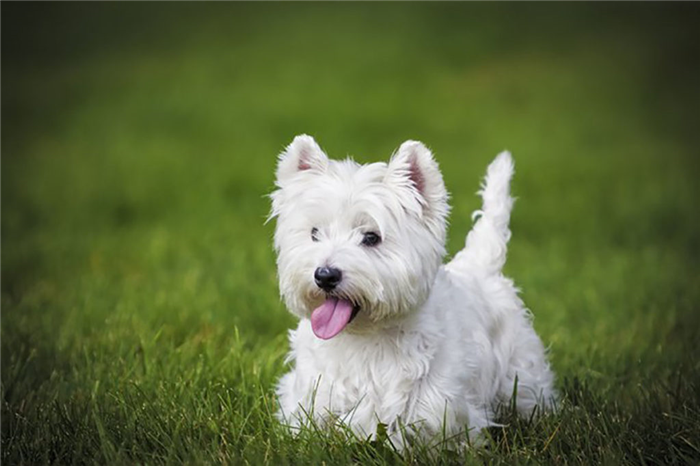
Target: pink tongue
x=331, y=317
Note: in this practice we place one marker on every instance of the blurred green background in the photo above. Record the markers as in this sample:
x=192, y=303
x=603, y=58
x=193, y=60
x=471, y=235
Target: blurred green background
x=141, y=320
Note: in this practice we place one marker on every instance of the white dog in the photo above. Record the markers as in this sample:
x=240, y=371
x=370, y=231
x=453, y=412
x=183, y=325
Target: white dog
x=388, y=334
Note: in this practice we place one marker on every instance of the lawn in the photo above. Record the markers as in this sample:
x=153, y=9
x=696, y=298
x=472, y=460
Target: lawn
x=141, y=321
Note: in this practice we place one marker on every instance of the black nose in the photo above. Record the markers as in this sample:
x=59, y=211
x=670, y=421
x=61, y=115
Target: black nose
x=327, y=278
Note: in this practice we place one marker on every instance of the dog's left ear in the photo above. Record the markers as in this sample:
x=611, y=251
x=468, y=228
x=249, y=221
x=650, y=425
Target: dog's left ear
x=301, y=155
x=413, y=167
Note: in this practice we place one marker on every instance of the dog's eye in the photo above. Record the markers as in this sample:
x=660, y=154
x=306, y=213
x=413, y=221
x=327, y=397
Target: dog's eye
x=371, y=239
x=314, y=234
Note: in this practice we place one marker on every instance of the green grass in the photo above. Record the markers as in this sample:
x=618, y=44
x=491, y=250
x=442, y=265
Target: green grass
x=141, y=321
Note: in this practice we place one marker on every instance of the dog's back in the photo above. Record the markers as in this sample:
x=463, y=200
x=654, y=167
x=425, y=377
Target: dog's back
x=482, y=259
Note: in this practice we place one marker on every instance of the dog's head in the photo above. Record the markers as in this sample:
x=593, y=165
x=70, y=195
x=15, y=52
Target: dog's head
x=357, y=243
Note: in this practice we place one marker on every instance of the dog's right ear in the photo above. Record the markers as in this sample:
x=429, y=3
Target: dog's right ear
x=413, y=169
x=301, y=155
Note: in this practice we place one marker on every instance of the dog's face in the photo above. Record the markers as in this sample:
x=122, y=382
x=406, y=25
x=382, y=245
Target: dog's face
x=357, y=243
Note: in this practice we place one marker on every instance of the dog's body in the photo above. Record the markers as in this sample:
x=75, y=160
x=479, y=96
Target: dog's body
x=387, y=333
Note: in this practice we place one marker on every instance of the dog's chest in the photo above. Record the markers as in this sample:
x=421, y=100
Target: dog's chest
x=378, y=375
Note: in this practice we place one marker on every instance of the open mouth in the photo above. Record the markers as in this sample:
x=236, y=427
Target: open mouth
x=355, y=310
x=331, y=317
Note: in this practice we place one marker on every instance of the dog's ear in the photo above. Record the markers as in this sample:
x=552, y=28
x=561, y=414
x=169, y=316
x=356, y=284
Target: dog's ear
x=302, y=154
x=412, y=166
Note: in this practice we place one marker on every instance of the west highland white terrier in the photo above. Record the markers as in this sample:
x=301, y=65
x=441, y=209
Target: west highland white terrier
x=387, y=333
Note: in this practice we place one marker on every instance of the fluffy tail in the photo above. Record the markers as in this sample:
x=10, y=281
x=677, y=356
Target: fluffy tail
x=485, y=249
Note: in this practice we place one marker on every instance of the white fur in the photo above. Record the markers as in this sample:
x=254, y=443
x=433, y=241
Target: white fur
x=434, y=347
